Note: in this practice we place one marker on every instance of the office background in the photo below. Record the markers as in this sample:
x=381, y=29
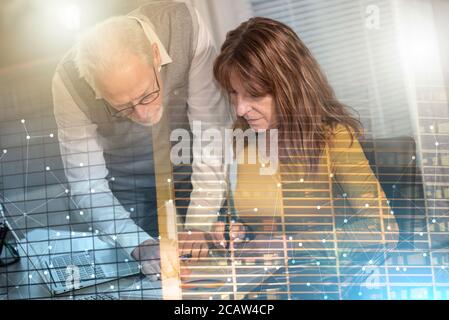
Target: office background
x=388, y=59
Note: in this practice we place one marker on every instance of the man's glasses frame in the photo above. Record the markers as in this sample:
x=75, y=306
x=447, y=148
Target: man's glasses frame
x=151, y=97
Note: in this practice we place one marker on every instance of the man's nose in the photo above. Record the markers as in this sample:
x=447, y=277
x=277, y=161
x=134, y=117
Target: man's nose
x=141, y=111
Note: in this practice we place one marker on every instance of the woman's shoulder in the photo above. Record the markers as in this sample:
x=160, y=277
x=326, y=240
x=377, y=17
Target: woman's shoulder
x=341, y=136
x=339, y=130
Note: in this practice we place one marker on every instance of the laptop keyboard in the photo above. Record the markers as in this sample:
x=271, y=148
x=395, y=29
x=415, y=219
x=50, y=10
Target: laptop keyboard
x=85, y=263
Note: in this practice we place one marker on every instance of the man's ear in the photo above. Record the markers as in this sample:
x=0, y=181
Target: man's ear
x=156, y=56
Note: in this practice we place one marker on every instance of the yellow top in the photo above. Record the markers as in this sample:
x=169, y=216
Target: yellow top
x=342, y=201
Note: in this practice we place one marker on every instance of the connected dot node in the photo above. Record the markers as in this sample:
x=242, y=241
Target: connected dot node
x=300, y=244
x=51, y=135
x=366, y=205
x=437, y=143
x=301, y=180
x=47, y=168
x=168, y=180
x=81, y=164
x=66, y=190
x=5, y=151
x=256, y=209
x=345, y=221
x=318, y=207
x=22, y=121
x=67, y=217
x=28, y=137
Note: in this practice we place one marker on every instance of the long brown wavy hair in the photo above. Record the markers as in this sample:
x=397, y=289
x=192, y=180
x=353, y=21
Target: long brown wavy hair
x=269, y=58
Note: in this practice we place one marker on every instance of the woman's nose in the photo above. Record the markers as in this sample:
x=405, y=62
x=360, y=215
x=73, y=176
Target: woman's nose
x=242, y=107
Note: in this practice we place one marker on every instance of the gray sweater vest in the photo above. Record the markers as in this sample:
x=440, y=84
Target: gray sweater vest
x=127, y=146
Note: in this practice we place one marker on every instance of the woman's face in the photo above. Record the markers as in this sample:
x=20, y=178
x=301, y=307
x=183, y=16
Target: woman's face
x=258, y=111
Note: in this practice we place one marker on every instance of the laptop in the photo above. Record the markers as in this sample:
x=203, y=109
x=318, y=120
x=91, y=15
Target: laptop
x=68, y=260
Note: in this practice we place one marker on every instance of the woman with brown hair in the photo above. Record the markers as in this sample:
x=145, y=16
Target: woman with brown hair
x=274, y=82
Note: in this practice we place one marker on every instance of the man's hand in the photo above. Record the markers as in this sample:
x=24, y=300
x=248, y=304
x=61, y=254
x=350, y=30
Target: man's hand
x=148, y=254
x=196, y=243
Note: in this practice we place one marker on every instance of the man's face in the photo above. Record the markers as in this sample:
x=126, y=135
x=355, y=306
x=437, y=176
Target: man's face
x=134, y=84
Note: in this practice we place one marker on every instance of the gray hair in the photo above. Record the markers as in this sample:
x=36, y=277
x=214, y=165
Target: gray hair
x=107, y=46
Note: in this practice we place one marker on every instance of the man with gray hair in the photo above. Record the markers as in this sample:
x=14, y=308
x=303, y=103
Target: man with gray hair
x=117, y=94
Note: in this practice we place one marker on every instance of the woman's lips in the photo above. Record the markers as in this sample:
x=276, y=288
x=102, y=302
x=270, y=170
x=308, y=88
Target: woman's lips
x=253, y=120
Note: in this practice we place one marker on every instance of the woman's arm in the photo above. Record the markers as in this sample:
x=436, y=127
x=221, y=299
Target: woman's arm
x=363, y=213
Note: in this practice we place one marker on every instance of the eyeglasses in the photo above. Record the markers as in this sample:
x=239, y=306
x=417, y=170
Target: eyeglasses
x=146, y=100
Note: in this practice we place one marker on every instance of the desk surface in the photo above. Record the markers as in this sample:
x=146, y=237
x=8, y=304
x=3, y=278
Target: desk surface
x=23, y=281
